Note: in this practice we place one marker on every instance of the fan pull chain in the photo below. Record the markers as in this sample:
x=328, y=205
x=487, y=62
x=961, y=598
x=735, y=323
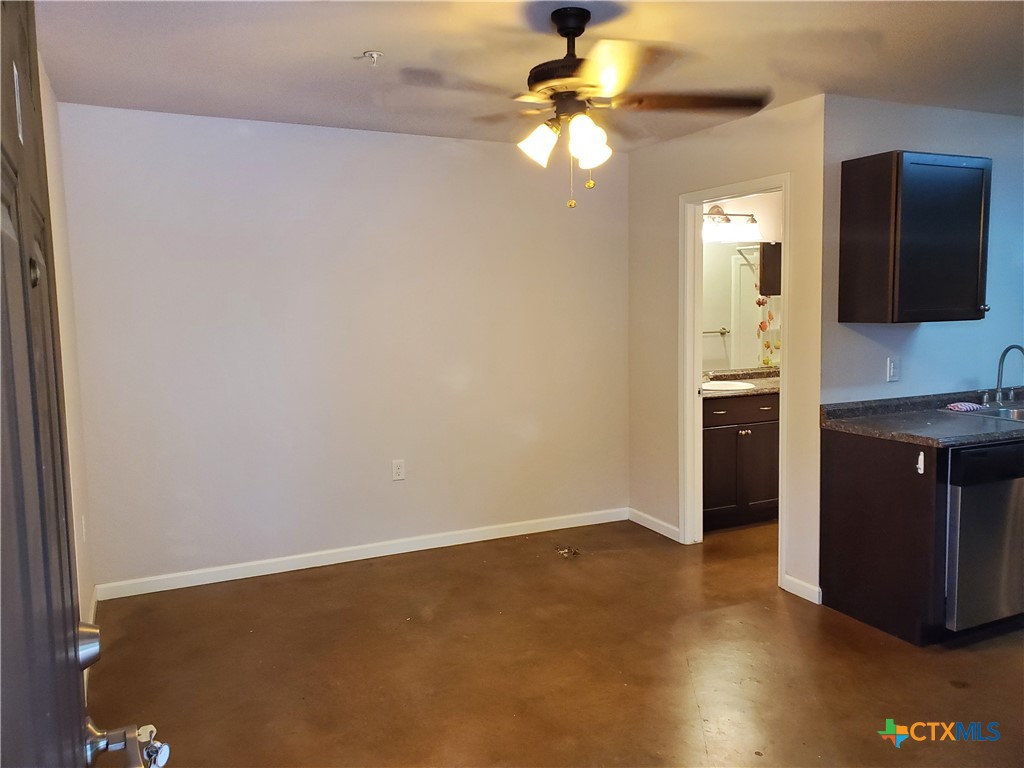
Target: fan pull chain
x=572, y=200
x=590, y=182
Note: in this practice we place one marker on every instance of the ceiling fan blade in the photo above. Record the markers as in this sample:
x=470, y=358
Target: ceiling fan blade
x=506, y=117
x=425, y=77
x=529, y=97
x=644, y=102
x=610, y=66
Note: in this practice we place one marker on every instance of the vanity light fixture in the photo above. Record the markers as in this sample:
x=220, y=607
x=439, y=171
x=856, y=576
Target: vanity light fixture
x=720, y=228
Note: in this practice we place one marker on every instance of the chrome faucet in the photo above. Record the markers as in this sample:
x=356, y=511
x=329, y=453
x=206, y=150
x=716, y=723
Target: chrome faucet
x=999, y=377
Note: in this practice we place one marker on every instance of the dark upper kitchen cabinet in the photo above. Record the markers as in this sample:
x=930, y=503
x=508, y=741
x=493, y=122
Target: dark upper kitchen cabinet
x=913, y=235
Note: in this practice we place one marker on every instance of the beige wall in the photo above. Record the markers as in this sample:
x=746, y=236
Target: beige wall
x=68, y=346
x=788, y=140
x=935, y=357
x=269, y=314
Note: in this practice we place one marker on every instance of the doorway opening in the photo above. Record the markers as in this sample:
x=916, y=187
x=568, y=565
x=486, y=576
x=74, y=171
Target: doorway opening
x=732, y=344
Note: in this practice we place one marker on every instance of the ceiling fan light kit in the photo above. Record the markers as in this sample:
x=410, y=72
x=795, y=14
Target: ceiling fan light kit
x=574, y=86
x=539, y=144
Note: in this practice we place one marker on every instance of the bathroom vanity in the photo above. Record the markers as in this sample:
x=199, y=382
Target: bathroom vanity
x=741, y=452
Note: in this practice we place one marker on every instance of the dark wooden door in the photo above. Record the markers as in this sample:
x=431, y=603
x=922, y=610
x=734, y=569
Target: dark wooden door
x=942, y=231
x=758, y=468
x=883, y=533
x=720, y=487
x=43, y=706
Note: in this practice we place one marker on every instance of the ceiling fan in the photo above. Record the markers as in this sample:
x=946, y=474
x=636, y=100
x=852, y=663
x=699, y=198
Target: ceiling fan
x=574, y=86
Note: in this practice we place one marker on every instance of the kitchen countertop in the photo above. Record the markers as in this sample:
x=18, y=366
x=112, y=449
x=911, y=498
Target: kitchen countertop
x=921, y=421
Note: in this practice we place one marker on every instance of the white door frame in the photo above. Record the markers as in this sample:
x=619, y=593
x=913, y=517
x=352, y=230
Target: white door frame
x=691, y=299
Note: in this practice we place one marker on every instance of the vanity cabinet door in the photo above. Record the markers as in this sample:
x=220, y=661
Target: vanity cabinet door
x=758, y=468
x=720, y=461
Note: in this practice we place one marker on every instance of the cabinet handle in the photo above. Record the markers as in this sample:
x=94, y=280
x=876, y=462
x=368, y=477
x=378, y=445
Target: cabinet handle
x=744, y=431
x=984, y=307
x=765, y=408
x=719, y=413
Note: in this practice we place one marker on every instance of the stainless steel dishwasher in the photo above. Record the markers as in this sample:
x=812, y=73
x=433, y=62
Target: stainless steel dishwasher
x=985, y=546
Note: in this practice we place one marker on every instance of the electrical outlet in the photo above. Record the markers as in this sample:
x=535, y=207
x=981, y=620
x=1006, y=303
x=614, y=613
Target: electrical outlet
x=398, y=469
x=892, y=368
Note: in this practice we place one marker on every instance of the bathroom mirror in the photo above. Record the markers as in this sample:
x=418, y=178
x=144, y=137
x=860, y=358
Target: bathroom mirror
x=742, y=306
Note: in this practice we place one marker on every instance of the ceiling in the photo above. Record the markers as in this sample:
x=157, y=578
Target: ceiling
x=450, y=69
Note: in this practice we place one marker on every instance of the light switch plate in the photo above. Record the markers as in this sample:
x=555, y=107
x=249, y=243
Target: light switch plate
x=892, y=368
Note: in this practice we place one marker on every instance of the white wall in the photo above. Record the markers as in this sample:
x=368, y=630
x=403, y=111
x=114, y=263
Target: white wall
x=268, y=314
x=936, y=357
x=776, y=141
x=68, y=346
x=717, y=291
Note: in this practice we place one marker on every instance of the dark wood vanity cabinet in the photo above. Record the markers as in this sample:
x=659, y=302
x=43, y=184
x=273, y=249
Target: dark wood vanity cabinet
x=741, y=460
x=913, y=237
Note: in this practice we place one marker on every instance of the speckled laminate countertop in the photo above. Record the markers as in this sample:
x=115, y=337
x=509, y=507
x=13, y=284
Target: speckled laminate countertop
x=766, y=386
x=764, y=378
x=920, y=420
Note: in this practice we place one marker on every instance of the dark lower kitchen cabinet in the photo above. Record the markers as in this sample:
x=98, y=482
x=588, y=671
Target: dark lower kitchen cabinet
x=883, y=533
x=741, y=460
x=913, y=238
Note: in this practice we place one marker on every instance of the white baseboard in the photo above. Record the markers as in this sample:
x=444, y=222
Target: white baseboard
x=800, y=588
x=656, y=525
x=347, y=554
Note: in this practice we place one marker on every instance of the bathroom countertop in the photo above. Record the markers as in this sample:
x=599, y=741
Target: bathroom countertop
x=762, y=386
x=920, y=420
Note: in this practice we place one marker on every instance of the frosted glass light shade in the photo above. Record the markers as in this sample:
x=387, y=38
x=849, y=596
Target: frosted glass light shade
x=587, y=142
x=584, y=135
x=538, y=145
x=595, y=157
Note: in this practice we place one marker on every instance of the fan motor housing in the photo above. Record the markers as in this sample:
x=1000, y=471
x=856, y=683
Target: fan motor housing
x=554, y=76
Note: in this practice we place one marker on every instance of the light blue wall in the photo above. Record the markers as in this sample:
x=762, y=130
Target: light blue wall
x=936, y=357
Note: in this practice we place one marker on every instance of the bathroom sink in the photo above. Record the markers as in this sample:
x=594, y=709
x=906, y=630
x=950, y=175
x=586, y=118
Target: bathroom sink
x=1013, y=414
x=725, y=386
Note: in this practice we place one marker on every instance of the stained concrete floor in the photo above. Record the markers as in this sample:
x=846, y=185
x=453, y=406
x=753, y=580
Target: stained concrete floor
x=638, y=652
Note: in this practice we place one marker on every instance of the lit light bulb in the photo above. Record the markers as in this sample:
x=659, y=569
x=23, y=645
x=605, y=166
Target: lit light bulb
x=539, y=144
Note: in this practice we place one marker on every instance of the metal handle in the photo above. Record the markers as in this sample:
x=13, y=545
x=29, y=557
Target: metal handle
x=765, y=408
x=984, y=307
x=744, y=431
x=141, y=749
x=88, y=644
x=719, y=413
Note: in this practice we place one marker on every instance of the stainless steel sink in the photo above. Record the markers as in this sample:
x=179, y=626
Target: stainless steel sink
x=1013, y=414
